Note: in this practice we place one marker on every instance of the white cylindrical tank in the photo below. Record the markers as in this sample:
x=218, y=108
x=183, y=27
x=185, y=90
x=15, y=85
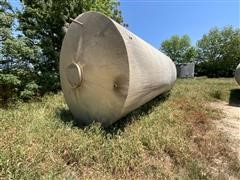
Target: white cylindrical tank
x=107, y=71
x=237, y=74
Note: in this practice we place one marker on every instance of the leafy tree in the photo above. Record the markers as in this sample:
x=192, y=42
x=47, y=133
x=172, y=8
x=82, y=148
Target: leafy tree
x=179, y=49
x=16, y=77
x=219, y=52
x=43, y=21
x=29, y=59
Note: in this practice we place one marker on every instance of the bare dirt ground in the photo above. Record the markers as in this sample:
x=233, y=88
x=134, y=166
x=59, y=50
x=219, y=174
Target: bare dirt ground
x=229, y=124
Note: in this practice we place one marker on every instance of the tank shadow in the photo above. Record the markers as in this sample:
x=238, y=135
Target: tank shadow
x=143, y=110
x=66, y=116
x=234, y=99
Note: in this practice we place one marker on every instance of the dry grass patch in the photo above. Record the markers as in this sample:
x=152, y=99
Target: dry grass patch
x=170, y=137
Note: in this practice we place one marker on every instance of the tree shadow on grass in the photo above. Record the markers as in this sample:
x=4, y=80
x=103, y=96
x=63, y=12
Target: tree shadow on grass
x=234, y=99
x=67, y=117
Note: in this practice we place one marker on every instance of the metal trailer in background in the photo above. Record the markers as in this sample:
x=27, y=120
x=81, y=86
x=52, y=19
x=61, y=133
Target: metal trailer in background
x=237, y=74
x=107, y=71
x=185, y=70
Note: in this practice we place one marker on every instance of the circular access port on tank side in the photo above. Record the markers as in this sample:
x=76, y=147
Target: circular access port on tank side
x=74, y=75
x=94, y=69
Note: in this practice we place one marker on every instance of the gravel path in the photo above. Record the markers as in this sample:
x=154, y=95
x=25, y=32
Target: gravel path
x=230, y=123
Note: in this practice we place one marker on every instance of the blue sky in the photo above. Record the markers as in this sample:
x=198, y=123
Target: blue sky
x=157, y=20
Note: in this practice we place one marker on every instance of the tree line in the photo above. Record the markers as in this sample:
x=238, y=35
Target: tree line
x=216, y=54
x=31, y=38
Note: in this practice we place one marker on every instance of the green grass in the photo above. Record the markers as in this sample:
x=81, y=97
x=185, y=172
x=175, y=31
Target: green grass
x=171, y=136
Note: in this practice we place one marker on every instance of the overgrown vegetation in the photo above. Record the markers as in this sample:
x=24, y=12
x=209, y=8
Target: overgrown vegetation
x=169, y=137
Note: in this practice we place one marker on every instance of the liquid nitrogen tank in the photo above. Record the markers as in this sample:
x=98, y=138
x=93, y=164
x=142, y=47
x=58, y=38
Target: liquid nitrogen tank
x=107, y=71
